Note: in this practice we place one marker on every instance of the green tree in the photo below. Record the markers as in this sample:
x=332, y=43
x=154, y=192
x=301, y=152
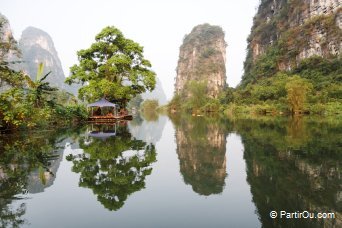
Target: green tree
x=198, y=97
x=150, y=105
x=297, y=89
x=113, y=67
x=175, y=104
x=149, y=110
x=227, y=96
x=39, y=87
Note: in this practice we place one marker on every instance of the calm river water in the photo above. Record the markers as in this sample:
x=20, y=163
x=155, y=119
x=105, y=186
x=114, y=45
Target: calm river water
x=177, y=171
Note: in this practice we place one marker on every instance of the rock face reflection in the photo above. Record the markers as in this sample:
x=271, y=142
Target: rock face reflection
x=26, y=161
x=113, y=167
x=294, y=165
x=201, y=149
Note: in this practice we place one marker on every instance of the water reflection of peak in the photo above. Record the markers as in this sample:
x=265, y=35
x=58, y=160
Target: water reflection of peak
x=201, y=149
x=148, y=131
x=293, y=165
x=28, y=164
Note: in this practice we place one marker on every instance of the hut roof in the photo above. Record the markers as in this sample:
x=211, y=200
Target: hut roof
x=102, y=103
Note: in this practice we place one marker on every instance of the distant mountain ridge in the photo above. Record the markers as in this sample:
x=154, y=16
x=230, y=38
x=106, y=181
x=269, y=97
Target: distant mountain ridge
x=37, y=47
x=157, y=94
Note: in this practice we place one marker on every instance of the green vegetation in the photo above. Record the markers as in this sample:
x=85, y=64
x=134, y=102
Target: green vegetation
x=196, y=101
x=313, y=87
x=113, y=67
x=204, y=33
x=149, y=105
x=149, y=110
x=25, y=103
x=297, y=90
x=275, y=79
x=278, y=79
x=37, y=104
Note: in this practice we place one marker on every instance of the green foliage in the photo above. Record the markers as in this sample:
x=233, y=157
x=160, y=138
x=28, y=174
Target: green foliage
x=39, y=87
x=9, y=77
x=149, y=110
x=197, y=98
x=150, y=105
x=203, y=33
x=212, y=105
x=297, y=90
x=175, y=103
x=226, y=96
x=196, y=101
x=207, y=52
x=317, y=85
x=114, y=67
x=18, y=109
x=270, y=88
x=28, y=103
x=321, y=71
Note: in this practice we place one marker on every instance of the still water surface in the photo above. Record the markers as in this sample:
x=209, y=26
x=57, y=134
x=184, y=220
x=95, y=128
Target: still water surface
x=180, y=171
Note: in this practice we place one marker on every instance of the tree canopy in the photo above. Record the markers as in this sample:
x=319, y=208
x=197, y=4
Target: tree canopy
x=113, y=67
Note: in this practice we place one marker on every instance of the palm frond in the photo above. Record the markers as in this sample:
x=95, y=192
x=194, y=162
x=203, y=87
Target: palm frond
x=39, y=71
x=45, y=76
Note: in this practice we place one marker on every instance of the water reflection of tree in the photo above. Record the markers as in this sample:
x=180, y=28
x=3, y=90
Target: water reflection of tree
x=108, y=170
x=293, y=165
x=201, y=149
x=20, y=156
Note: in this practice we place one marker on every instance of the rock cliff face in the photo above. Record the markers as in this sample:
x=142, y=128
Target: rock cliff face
x=7, y=42
x=290, y=31
x=37, y=47
x=202, y=57
x=8, y=49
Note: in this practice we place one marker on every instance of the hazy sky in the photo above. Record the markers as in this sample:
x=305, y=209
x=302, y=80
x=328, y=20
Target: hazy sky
x=159, y=26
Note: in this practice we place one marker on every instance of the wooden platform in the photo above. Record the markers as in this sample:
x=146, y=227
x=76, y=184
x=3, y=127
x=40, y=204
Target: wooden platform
x=109, y=118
